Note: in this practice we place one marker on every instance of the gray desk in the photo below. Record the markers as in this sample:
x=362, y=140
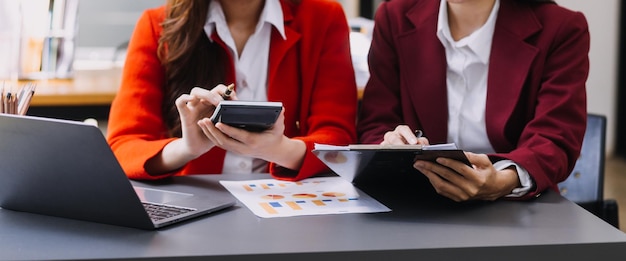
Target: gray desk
x=547, y=228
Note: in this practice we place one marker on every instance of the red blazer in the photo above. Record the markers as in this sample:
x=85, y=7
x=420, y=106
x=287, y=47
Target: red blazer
x=310, y=72
x=536, y=97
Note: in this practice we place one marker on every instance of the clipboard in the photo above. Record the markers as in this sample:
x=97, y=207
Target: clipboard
x=360, y=163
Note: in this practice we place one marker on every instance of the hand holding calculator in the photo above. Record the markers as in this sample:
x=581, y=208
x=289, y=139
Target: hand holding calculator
x=253, y=116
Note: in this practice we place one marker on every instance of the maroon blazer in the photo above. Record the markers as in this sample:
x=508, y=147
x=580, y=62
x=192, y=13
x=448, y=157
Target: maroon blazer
x=310, y=72
x=536, y=97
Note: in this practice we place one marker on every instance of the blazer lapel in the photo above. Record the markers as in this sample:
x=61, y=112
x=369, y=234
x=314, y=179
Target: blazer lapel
x=279, y=48
x=423, y=70
x=510, y=61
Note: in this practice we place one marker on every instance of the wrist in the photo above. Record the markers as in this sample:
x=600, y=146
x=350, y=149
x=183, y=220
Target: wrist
x=511, y=179
x=181, y=152
x=288, y=153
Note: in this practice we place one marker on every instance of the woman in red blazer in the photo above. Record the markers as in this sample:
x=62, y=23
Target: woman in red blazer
x=178, y=59
x=526, y=124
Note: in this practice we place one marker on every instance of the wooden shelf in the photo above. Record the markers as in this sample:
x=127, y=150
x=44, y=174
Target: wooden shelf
x=86, y=88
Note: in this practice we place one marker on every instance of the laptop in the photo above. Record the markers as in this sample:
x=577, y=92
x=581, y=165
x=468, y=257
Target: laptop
x=66, y=169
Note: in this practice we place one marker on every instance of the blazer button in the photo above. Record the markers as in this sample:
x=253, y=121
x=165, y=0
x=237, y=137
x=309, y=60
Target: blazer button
x=298, y=125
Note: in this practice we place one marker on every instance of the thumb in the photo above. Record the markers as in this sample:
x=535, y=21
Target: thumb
x=479, y=161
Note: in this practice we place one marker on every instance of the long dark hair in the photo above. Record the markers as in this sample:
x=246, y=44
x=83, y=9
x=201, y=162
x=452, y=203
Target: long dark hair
x=189, y=58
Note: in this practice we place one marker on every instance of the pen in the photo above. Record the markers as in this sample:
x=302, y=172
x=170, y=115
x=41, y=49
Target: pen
x=418, y=133
x=229, y=90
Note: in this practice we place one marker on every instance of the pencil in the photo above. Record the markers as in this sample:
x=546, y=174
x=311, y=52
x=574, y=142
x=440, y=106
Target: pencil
x=14, y=104
x=24, y=103
x=7, y=103
x=2, y=99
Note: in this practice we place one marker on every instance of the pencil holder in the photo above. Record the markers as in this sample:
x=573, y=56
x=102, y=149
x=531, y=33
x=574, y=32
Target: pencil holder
x=16, y=101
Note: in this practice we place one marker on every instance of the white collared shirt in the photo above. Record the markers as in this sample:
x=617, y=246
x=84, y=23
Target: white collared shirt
x=466, y=81
x=251, y=67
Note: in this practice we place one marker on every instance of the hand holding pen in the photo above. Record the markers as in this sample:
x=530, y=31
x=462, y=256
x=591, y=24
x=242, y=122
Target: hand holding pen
x=404, y=135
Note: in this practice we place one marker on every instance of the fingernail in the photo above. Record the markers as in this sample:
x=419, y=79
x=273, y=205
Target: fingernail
x=418, y=164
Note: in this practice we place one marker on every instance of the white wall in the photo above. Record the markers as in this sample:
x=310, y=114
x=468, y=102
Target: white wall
x=603, y=18
x=351, y=7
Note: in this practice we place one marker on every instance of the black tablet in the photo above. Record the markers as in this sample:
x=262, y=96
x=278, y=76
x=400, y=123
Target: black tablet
x=252, y=116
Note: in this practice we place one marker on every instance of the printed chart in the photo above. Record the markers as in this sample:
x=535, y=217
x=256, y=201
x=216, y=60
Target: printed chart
x=314, y=196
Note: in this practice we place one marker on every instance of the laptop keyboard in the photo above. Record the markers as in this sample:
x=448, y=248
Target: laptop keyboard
x=158, y=212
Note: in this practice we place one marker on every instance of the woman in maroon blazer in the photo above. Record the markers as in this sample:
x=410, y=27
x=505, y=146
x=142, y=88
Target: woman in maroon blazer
x=503, y=79
x=295, y=52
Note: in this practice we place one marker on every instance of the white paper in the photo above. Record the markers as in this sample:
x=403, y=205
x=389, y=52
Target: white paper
x=270, y=198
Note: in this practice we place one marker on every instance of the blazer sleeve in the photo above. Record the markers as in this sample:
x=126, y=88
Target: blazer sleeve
x=333, y=101
x=550, y=143
x=381, y=108
x=136, y=129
